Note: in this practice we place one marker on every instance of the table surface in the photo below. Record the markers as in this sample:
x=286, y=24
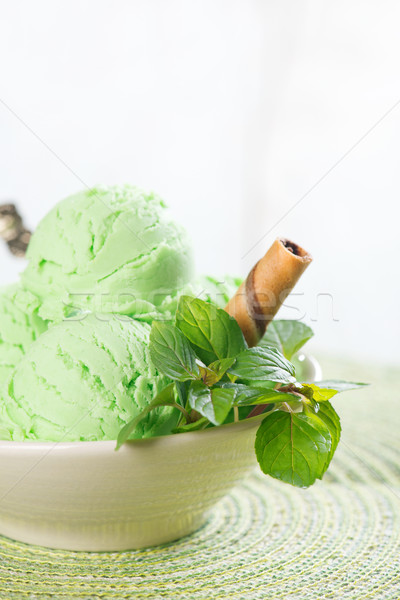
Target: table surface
x=337, y=539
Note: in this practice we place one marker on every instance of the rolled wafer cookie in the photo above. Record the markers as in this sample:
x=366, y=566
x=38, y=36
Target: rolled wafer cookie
x=268, y=284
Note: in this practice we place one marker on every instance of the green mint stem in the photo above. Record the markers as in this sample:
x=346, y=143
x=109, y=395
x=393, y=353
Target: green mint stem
x=183, y=411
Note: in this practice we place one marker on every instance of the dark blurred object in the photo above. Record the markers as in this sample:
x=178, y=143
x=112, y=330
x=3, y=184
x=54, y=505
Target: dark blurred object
x=12, y=230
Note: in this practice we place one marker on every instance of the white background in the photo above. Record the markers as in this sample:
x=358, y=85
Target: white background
x=234, y=111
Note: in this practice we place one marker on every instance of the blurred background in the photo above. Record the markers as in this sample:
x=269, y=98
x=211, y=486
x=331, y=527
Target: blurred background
x=252, y=118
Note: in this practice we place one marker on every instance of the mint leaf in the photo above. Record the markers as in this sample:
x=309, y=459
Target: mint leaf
x=340, y=386
x=247, y=396
x=266, y=364
x=214, y=404
x=325, y=390
x=287, y=336
x=182, y=388
x=171, y=353
x=165, y=398
x=327, y=413
x=293, y=447
x=259, y=384
x=216, y=370
x=317, y=393
x=213, y=333
x=196, y=426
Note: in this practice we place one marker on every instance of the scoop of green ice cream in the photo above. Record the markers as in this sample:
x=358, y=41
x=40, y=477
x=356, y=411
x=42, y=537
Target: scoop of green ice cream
x=107, y=249
x=84, y=380
x=20, y=325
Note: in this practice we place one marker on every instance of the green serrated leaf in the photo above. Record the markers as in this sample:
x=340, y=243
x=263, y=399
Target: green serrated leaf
x=214, y=404
x=165, y=398
x=212, y=332
x=268, y=364
x=216, y=370
x=327, y=413
x=247, y=396
x=340, y=386
x=293, y=447
x=171, y=353
x=196, y=426
x=317, y=393
x=287, y=336
x=259, y=384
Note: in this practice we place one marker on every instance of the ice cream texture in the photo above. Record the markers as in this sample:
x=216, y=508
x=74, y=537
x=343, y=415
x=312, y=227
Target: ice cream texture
x=20, y=326
x=74, y=357
x=107, y=249
x=84, y=380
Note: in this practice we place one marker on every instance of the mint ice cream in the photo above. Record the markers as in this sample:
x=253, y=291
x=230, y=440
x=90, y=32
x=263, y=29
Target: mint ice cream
x=84, y=380
x=107, y=249
x=102, y=265
x=20, y=325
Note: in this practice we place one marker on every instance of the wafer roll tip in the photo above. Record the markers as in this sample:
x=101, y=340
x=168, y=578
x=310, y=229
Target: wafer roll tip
x=268, y=284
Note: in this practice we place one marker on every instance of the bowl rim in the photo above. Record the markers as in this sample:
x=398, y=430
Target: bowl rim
x=246, y=423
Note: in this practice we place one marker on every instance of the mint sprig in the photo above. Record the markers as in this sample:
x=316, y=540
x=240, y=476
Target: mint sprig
x=214, y=374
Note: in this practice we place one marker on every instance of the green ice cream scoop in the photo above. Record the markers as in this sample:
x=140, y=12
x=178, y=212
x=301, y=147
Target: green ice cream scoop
x=20, y=325
x=107, y=249
x=84, y=380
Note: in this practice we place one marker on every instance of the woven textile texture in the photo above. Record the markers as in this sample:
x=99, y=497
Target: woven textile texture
x=338, y=539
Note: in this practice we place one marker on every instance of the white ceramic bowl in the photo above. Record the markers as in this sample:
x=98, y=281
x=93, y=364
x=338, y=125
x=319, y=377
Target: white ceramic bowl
x=86, y=496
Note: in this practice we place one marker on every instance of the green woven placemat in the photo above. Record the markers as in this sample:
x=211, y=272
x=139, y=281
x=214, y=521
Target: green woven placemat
x=338, y=539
